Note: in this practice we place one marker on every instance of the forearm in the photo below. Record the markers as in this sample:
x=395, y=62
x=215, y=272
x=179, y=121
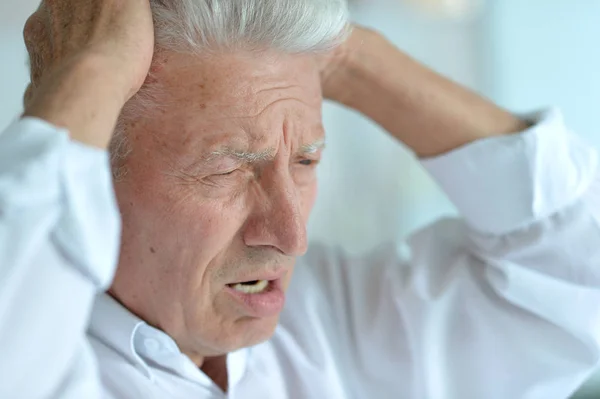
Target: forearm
x=427, y=112
x=83, y=99
x=59, y=243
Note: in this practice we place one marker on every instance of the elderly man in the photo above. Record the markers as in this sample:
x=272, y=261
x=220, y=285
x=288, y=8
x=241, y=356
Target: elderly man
x=214, y=173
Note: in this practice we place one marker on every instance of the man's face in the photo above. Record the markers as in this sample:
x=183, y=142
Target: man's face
x=220, y=184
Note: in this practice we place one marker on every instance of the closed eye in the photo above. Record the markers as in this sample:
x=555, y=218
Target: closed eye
x=227, y=173
x=308, y=162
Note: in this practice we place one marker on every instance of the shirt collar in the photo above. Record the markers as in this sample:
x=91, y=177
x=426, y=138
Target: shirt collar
x=116, y=327
x=146, y=346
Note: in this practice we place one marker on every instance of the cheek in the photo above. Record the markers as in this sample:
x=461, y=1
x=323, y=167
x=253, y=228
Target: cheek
x=176, y=224
x=206, y=226
x=309, y=196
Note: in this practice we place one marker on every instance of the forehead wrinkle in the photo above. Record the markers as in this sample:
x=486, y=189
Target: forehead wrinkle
x=264, y=108
x=278, y=88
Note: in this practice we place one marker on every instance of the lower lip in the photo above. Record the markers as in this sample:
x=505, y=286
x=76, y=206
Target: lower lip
x=268, y=303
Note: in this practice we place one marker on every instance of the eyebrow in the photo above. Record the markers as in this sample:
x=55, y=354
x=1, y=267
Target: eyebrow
x=313, y=147
x=264, y=155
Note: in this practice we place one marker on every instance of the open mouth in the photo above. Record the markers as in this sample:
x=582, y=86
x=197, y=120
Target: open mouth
x=263, y=297
x=251, y=287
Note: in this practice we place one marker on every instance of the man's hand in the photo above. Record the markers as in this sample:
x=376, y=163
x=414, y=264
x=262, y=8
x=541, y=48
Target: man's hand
x=335, y=65
x=88, y=57
x=427, y=112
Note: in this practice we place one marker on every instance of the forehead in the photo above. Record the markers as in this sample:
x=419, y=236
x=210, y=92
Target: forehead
x=235, y=98
x=236, y=84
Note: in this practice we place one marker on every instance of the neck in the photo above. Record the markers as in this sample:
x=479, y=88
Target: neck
x=216, y=369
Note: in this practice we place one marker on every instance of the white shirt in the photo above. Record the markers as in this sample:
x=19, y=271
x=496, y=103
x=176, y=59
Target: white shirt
x=504, y=303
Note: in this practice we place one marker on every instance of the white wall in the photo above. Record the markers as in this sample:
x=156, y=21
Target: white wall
x=546, y=52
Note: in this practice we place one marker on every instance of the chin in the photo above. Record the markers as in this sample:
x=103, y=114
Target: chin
x=243, y=333
x=254, y=331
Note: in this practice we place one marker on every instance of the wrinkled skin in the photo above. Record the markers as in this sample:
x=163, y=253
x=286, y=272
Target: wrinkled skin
x=117, y=34
x=195, y=223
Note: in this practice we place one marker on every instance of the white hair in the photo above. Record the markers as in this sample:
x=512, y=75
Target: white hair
x=207, y=26
x=294, y=26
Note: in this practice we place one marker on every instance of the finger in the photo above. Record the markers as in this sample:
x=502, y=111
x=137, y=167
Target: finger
x=28, y=96
x=33, y=35
x=36, y=68
x=31, y=31
x=42, y=10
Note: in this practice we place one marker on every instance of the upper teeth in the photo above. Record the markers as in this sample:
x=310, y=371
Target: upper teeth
x=256, y=288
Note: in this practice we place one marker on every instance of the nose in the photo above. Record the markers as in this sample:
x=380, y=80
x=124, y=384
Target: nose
x=277, y=220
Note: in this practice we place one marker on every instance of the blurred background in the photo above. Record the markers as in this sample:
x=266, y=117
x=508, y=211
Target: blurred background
x=525, y=55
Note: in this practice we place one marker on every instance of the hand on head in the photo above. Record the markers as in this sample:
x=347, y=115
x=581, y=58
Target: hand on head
x=117, y=34
x=335, y=66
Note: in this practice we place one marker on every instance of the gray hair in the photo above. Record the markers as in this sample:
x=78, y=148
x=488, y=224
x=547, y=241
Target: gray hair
x=207, y=26
x=295, y=26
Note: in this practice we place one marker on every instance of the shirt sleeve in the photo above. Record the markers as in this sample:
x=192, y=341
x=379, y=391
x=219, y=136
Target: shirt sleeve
x=59, y=241
x=503, y=302
x=513, y=290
